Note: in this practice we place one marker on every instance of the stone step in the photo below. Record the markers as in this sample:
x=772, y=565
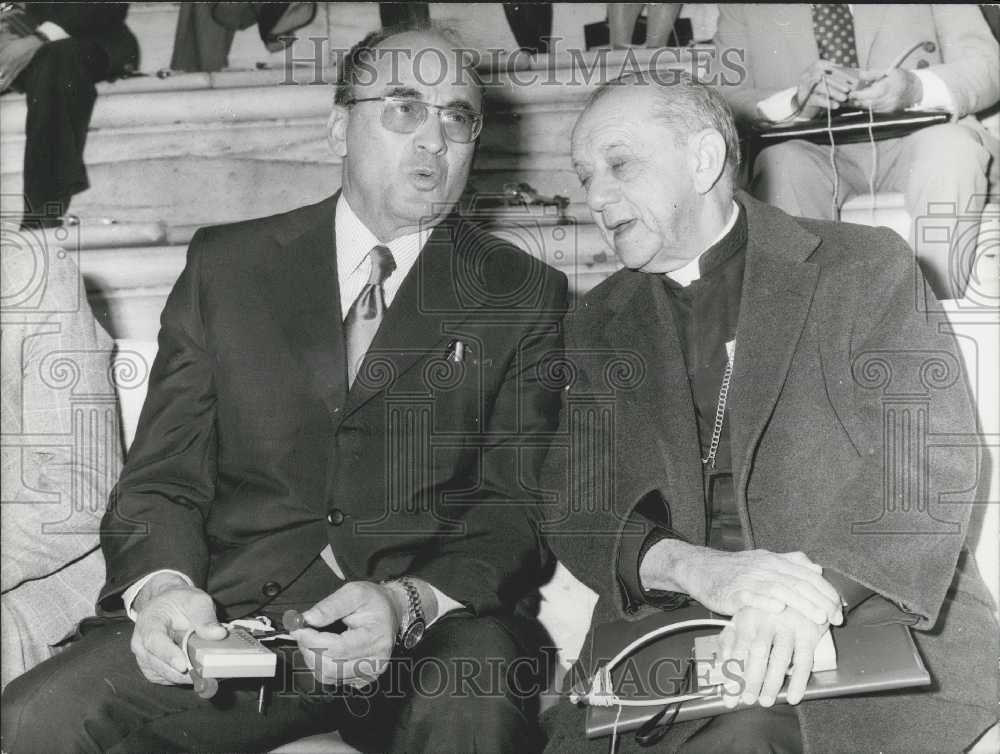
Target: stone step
x=481, y=25
x=94, y=235
x=224, y=96
x=253, y=146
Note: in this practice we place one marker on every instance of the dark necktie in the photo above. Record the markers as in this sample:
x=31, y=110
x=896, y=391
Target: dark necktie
x=833, y=26
x=365, y=315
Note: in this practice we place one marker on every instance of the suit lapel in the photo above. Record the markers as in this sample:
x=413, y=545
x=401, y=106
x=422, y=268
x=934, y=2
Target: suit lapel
x=643, y=324
x=301, y=285
x=414, y=324
x=778, y=287
x=868, y=20
x=789, y=20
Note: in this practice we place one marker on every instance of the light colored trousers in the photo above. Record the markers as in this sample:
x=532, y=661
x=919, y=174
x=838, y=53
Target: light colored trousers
x=940, y=170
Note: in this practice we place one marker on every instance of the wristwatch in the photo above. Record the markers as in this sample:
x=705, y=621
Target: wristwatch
x=414, y=624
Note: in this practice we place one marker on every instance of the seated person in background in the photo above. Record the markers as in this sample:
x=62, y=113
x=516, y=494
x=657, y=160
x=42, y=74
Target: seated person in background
x=289, y=455
x=801, y=61
x=68, y=48
x=757, y=508
x=57, y=469
x=660, y=18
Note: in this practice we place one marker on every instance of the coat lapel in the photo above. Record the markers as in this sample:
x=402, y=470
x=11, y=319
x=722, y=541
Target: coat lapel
x=415, y=324
x=868, y=20
x=788, y=21
x=778, y=288
x=301, y=285
x=642, y=323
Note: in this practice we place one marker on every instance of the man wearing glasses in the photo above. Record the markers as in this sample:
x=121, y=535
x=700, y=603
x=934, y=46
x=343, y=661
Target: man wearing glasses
x=344, y=419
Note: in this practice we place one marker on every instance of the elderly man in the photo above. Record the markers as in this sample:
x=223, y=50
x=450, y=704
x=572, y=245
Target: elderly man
x=343, y=418
x=721, y=438
x=803, y=60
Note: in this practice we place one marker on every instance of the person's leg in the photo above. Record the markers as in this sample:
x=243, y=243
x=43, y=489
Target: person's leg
x=660, y=20
x=401, y=14
x=941, y=171
x=756, y=730
x=531, y=24
x=470, y=685
x=796, y=176
x=93, y=698
x=621, y=23
x=60, y=94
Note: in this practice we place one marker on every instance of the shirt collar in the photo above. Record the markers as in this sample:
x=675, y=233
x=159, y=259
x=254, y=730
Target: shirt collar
x=691, y=271
x=355, y=240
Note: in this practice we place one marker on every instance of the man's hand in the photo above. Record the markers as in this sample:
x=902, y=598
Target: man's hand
x=888, y=93
x=822, y=86
x=14, y=56
x=766, y=646
x=373, y=614
x=167, y=607
x=726, y=582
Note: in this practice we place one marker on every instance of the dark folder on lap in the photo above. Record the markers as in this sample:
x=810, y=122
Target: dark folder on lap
x=851, y=126
x=870, y=658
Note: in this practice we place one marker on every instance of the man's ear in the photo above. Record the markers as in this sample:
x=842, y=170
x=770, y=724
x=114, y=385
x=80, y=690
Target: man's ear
x=336, y=130
x=707, y=153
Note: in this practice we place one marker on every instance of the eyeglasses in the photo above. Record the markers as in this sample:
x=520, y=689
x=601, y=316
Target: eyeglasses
x=404, y=116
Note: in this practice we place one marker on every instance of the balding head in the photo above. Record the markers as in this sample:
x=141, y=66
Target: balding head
x=658, y=163
x=684, y=105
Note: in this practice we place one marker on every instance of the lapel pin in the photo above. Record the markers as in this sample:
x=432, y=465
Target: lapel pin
x=456, y=351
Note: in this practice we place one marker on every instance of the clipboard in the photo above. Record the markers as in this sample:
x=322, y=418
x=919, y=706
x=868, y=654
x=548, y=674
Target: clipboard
x=870, y=658
x=851, y=126
x=848, y=127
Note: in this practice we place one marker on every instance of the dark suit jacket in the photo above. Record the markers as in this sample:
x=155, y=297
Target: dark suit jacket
x=251, y=455
x=100, y=23
x=830, y=349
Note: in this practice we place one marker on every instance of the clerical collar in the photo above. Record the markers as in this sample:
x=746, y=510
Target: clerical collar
x=718, y=251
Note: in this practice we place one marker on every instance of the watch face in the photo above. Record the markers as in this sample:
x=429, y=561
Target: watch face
x=414, y=633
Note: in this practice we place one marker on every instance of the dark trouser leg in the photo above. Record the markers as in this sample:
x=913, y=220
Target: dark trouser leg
x=471, y=686
x=403, y=14
x=757, y=730
x=92, y=698
x=60, y=93
x=531, y=24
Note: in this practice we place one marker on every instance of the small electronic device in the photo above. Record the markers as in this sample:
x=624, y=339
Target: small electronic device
x=239, y=655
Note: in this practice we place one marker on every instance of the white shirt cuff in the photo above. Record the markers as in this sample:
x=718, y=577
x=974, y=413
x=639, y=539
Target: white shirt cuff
x=935, y=92
x=779, y=106
x=445, y=604
x=129, y=595
x=52, y=32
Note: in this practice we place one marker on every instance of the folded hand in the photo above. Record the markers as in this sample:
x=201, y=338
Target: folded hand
x=765, y=646
x=726, y=582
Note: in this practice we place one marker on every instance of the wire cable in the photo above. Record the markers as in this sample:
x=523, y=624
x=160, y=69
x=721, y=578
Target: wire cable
x=835, y=199
x=874, y=166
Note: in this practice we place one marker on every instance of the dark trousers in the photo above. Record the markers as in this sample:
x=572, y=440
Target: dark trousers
x=59, y=88
x=755, y=730
x=461, y=691
x=403, y=14
x=531, y=24
x=472, y=684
